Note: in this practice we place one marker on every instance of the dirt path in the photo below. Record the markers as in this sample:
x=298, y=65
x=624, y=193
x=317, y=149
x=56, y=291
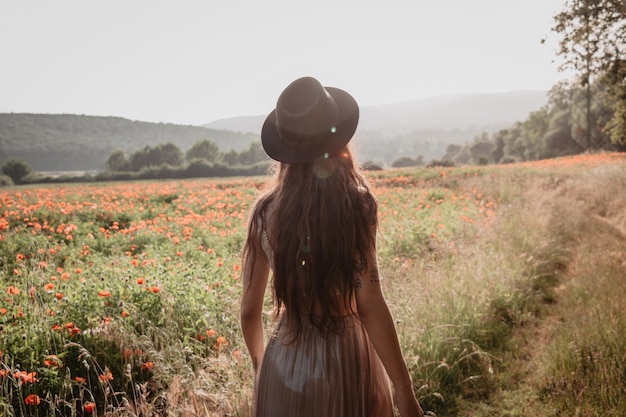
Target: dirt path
x=520, y=383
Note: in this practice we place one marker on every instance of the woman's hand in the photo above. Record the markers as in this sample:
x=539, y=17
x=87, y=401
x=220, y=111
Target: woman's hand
x=407, y=404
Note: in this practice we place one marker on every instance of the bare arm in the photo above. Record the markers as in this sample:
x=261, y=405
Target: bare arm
x=255, y=275
x=378, y=322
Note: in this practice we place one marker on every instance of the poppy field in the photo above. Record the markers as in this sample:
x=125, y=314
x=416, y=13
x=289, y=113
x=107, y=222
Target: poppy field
x=123, y=298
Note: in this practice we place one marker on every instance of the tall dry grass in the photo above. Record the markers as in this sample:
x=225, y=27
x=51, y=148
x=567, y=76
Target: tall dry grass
x=583, y=371
x=457, y=307
x=525, y=315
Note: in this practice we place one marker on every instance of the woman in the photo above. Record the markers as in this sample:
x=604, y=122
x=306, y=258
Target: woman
x=335, y=347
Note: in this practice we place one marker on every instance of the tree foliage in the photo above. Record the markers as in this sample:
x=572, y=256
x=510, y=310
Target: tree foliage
x=593, y=44
x=162, y=154
x=118, y=162
x=404, y=162
x=252, y=155
x=16, y=169
x=168, y=153
x=203, y=159
x=593, y=35
x=205, y=149
x=557, y=129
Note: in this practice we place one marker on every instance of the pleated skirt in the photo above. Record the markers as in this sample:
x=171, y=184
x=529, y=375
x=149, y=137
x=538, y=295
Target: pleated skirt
x=336, y=375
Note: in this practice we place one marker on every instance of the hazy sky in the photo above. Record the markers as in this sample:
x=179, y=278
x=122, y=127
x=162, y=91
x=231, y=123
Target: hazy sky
x=195, y=61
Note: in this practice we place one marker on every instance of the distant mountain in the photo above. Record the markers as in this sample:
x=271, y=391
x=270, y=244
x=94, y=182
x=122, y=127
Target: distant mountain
x=460, y=111
x=423, y=127
x=250, y=124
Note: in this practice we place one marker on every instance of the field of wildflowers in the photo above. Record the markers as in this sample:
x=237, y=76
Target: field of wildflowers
x=122, y=298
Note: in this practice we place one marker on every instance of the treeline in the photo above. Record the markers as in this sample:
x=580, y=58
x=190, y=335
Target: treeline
x=562, y=127
x=162, y=161
x=167, y=160
x=421, y=146
x=204, y=151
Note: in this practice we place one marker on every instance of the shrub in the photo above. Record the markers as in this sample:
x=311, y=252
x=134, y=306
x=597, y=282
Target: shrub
x=404, y=162
x=440, y=163
x=16, y=169
x=5, y=181
x=371, y=166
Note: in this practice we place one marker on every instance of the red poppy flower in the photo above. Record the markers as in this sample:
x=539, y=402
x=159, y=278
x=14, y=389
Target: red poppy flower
x=90, y=407
x=52, y=360
x=26, y=377
x=107, y=376
x=32, y=399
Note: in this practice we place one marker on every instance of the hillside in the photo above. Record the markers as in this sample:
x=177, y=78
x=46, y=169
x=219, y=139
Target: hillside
x=76, y=142
x=387, y=132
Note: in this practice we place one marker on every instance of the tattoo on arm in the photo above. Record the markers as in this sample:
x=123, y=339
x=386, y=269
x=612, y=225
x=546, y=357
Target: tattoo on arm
x=374, y=277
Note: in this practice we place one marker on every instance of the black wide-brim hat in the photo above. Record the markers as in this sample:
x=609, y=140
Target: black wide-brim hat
x=309, y=122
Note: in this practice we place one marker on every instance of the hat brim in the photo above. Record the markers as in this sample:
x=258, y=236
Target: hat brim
x=347, y=121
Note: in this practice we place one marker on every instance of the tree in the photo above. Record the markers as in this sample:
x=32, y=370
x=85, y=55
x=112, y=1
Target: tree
x=481, y=149
x=16, y=169
x=497, y=153
x=615, y=78
x=167, y=153
x=231, y=157
x=117, y=162
x=514, y=146
x=164, y=153
x=253, y=154
x=558, y=139
x=205, y=149
x=452, y=151
x=589, y=121
x=593, y=35
x=532, y=131
x=140, y=158
x=593, y=43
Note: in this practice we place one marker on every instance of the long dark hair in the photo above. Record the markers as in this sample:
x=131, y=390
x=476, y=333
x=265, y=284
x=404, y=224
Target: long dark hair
x=320, y=231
